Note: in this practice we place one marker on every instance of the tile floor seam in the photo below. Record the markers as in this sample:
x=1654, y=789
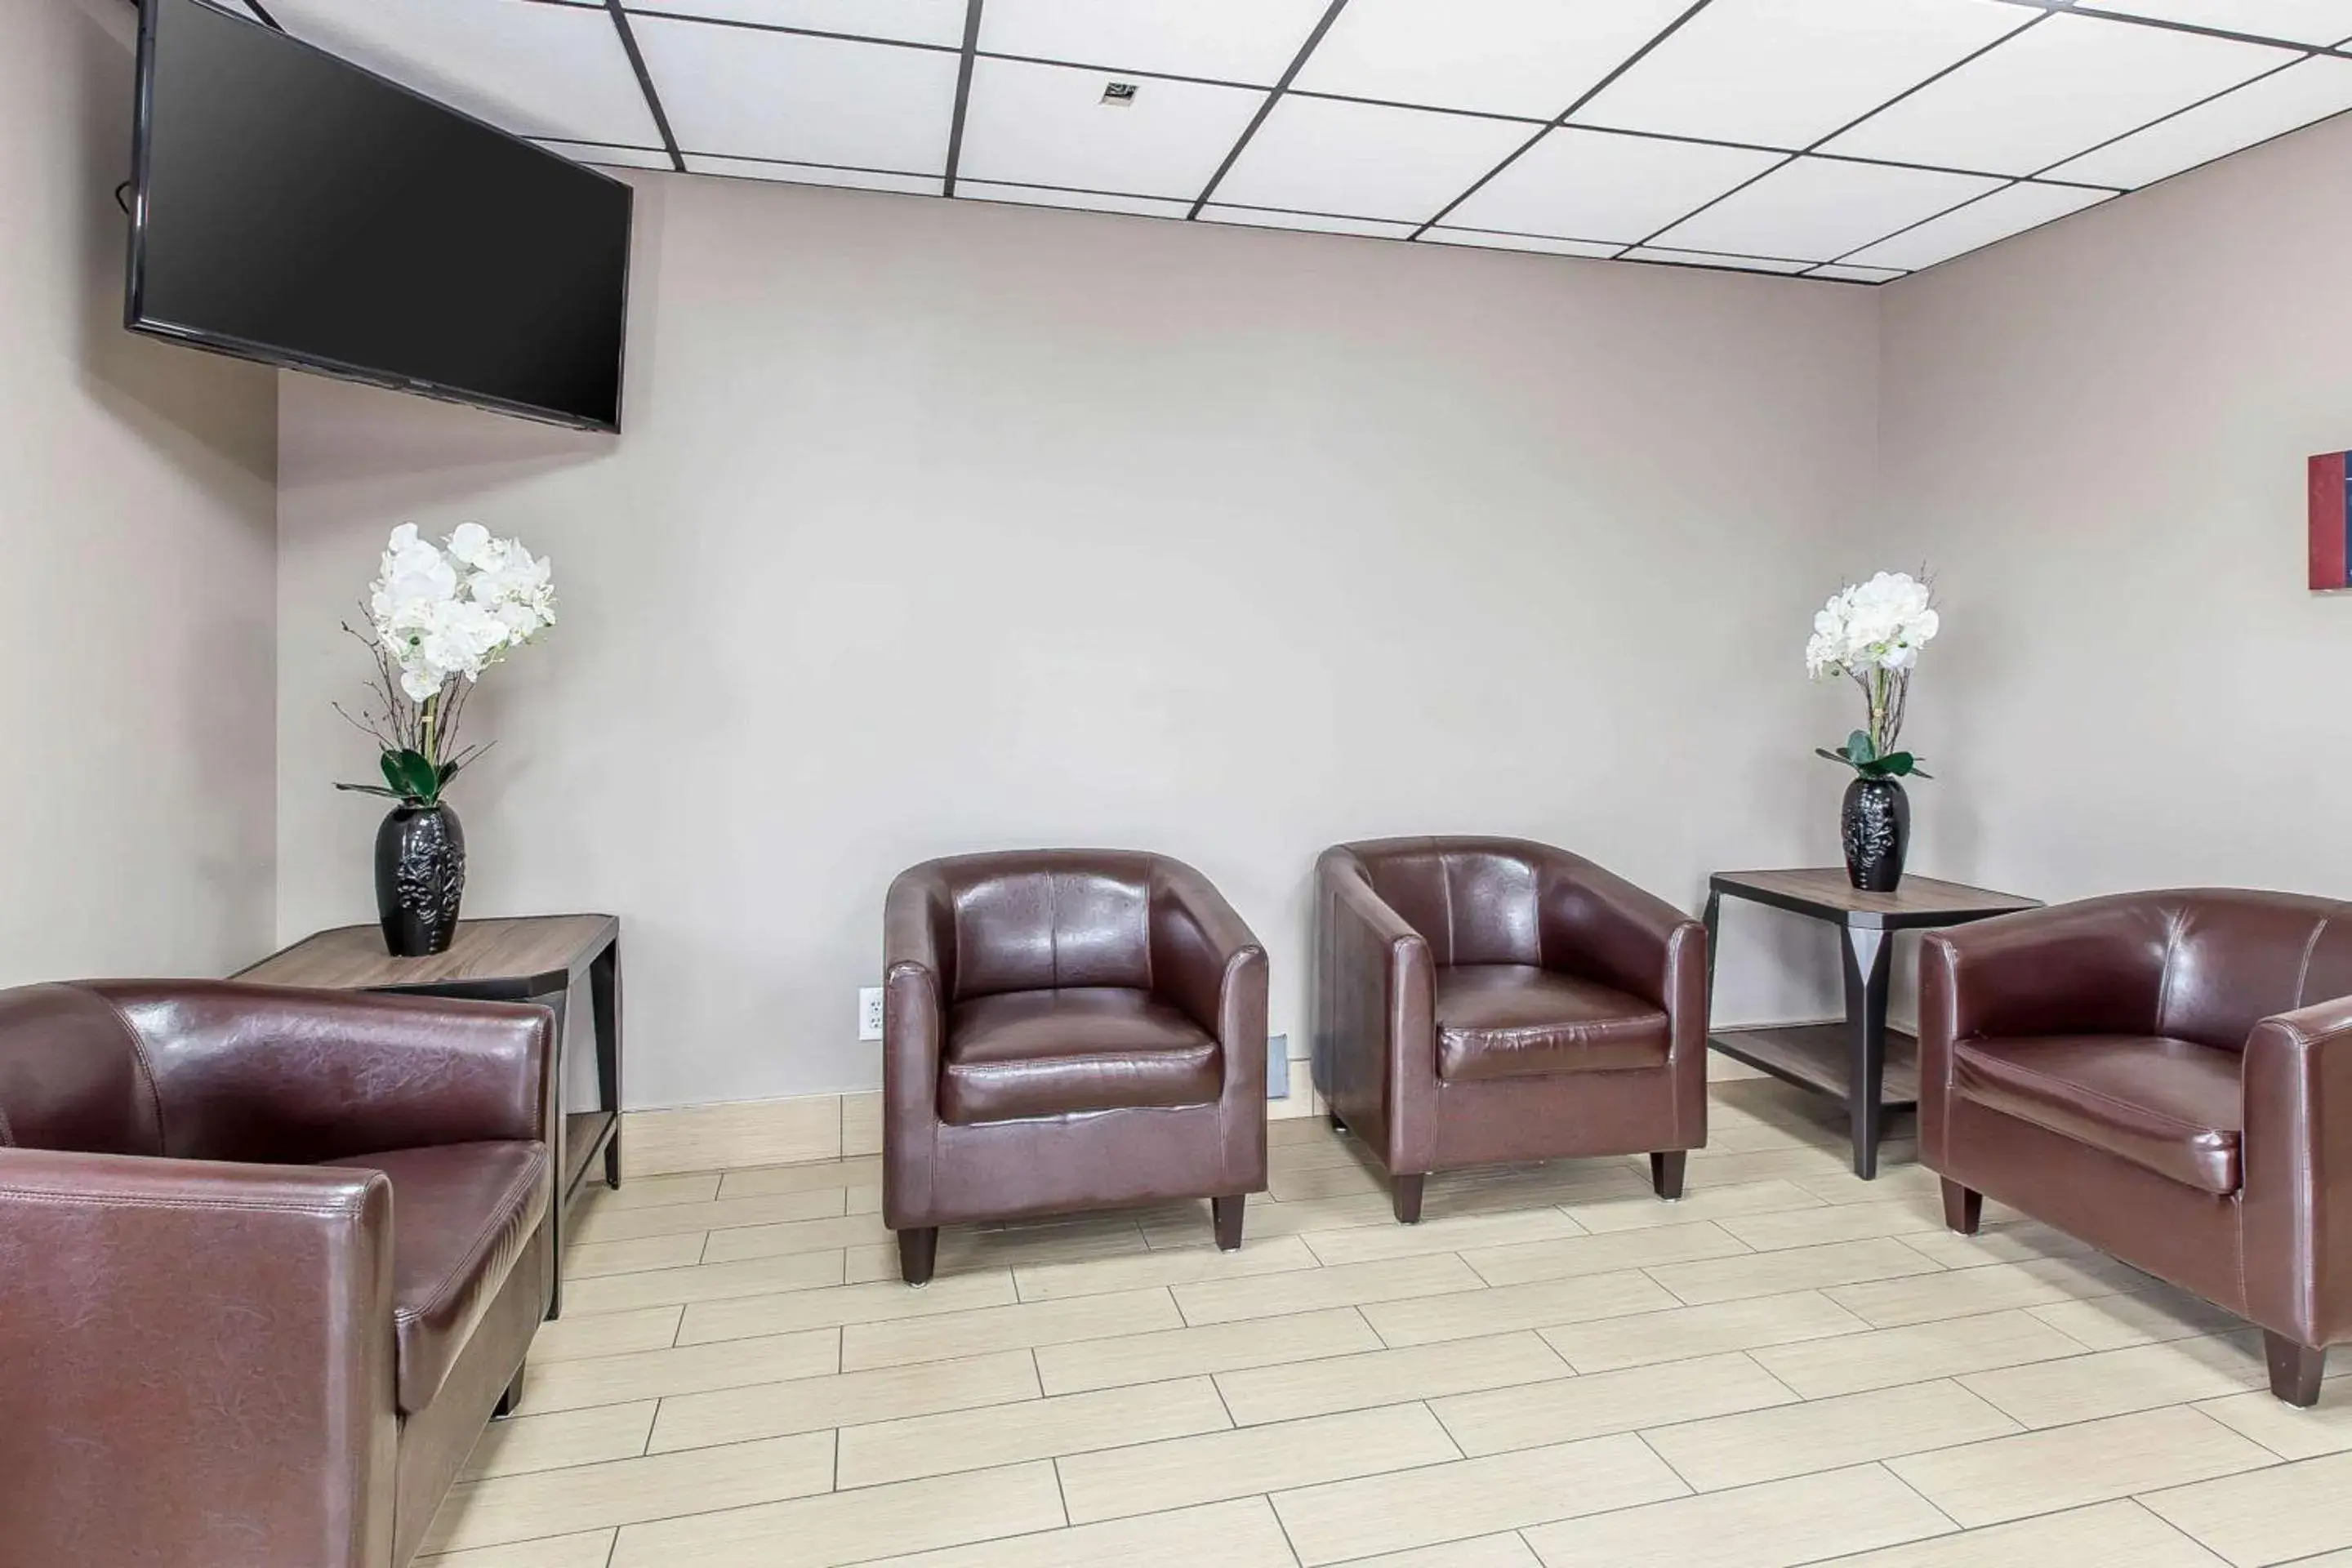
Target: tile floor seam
x=1956, y=1526
x=2167, y=1525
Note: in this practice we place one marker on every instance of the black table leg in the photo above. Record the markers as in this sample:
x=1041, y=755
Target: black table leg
x=1868, y=952
x=1713, y=921
x=605, y=991
x=560, y=1002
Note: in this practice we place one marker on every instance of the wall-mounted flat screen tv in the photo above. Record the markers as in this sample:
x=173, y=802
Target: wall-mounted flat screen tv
x=293, y=208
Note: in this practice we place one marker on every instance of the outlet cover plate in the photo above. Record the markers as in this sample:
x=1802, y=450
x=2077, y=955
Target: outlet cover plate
x=869, y=1011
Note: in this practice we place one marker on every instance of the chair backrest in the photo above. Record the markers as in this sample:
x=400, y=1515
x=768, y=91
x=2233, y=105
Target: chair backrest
x=73, y=1075
x=2235, y=957
x=1473, y=901
x=1035, y=919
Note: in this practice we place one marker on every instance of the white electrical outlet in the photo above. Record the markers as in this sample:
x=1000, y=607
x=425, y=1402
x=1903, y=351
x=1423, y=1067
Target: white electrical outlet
x=869, y=1011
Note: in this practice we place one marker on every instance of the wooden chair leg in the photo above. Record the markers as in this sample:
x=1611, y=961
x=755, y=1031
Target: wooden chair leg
x=2296, y=1369
x=1228, y=1215
x=1666, y=1174
x=510, y=1399
x=1963, y=1209
x=919, y=1252
x=1405, y=1195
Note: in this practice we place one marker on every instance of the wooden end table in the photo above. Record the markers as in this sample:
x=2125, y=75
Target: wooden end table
x=1861, y=1062
x=537, y=958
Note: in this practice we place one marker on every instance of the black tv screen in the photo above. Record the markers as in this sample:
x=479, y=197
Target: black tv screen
x=295, y=210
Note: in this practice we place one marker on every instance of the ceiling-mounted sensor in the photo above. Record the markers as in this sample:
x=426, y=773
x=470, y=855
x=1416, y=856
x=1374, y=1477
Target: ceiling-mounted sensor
x=1119, y=94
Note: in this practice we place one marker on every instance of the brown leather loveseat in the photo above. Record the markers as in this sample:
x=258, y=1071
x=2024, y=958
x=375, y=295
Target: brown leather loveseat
x=2165, y=1075
x=1066, y=1029
x=1479, y=1001
x=269, y=1259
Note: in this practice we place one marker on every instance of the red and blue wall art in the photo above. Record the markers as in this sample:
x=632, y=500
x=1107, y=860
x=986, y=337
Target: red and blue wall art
x=2331, y=522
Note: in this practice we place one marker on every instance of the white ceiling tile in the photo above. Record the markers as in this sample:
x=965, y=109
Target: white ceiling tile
x=610, y=157
x=1316, y=221
x=2053, y=91
x=1049, y=125
x=907, y=21
x=1088, y=201
x=1785, y=73
x=740, y=93
x=1486, y=239
x=1530, y=58
x=1230, y=40
x=1713, y=258
x=2299, y=21
x=533, y=69
x=1819, y=208
x=812, y=175
x=1318, y=154
x=1849, y=273
x=2257, y=111
x=1594, y=184
x=1999, y=215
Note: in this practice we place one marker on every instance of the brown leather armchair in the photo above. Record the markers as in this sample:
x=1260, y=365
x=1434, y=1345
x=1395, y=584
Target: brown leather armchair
x=1480, y=1000
x=2167, y=1076
x=1066, y=1029
x=269, y=1259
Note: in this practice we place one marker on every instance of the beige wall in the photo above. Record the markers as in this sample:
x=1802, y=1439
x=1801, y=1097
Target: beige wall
x=941, y=527
x=136, y=604
x=2096, y=435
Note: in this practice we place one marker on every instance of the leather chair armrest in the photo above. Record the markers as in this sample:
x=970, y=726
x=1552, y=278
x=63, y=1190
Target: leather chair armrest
x=277, y=1073
x=1201, y=952
x=2298, y=1146
x=1377, y=1018
x=199, y=1361
x=918, y=958
x=2093, y=967
x=1594, y=923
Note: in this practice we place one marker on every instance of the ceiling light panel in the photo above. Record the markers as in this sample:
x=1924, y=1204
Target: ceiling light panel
x=1818, y=209
x=1594, y=184
x=1226, y=40
x=2298, y=21
x=533, y=69
x=1531, y=58
x=1315, y=222
x=1999, y=215
x=1049, y=125
x=2257, y=111
x=740, y=93
x=1365, y=160
x=1088, y=201
x=1487, y=240
x=1713, y=258
x=610, y=157
x=812, y=175
x=2054, y=90
x=902, y=21
x=1785, y=73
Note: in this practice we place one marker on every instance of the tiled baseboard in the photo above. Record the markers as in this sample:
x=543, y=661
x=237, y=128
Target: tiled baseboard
x=811, y=1127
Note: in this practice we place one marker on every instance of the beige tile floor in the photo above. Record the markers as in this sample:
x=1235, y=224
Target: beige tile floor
x=1554, y=1369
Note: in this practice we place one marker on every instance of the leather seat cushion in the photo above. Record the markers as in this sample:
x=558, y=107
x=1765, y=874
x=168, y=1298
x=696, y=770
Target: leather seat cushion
x=461, y=1217
x=1514, y=1020
x=1077, y=1047
x=2169, y=1106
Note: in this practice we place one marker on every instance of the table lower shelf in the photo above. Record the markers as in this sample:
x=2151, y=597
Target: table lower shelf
x=1815, y=1057
x=585, y=1133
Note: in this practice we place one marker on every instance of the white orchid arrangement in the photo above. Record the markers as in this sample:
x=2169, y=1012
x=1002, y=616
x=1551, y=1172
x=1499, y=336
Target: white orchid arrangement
x=438, y=616
x=1871, y=632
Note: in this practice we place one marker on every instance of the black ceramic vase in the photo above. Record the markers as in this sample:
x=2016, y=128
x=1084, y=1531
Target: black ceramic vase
x=1876, y=827
x=420, y=874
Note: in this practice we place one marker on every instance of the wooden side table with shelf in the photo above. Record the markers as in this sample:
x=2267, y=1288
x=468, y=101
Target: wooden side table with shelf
x=1871, y=1069
x=535, y=958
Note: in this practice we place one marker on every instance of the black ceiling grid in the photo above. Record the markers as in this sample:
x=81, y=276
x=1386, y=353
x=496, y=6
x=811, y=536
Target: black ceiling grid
x=646, y=83
x=963, y=95
x=1297, y=63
